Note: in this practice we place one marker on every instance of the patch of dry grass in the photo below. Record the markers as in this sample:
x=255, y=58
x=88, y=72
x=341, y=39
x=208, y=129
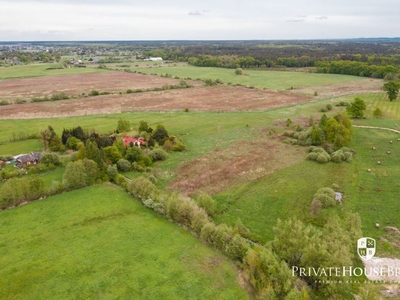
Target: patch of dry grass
x=244, y=161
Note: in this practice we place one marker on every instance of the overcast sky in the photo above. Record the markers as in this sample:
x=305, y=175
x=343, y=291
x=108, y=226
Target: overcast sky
x=49, y=20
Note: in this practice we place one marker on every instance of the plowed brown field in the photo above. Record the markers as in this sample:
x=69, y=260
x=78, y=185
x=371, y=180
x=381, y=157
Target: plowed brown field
x=72, y=85
x=220, y=98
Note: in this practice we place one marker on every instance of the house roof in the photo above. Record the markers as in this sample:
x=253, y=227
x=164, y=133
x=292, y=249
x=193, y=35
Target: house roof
x=29, y=157
x=127, y=140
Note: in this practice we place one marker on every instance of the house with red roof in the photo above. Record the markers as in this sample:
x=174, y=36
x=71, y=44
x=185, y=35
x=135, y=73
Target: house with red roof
x=135, y=141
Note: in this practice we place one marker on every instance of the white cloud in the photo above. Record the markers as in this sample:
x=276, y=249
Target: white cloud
x=176, y=19
x=195, y=13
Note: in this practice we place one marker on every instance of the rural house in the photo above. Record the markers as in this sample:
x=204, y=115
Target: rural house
x=28, y=160
x=135, y=141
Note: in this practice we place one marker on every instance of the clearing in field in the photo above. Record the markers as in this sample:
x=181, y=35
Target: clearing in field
x=99, y=242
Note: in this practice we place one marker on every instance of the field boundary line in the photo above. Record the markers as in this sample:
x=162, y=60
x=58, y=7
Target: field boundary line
x=373, y=127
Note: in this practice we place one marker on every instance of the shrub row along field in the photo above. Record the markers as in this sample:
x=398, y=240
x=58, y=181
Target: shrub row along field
x=99, y=242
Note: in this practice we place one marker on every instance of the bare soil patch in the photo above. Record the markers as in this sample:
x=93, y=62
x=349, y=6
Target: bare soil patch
x=220, y=98
x=244, y=161
x=26, y=88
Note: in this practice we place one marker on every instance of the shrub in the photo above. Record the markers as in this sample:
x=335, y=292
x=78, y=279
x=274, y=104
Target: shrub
x=237, y=248
x=326, y=196
x=341, y=155
x=38, y=99
x=129, y=91
x=209, y=82
x=168, y=146
x=20, y=101
x=123, y=165
x=4, y=102
x=205, y=201
x=152, y=179
x=318, y=154
x=343, y=103
x=158, y=154
x=55, y=188
x=179, y=147
x=378, y=113
x=299, y=128
x=73, y=142
x=184, y=211
x=112, y=172
x=335, y=187
x=329, y=107
x=323, y=109
x=322, y=159
x=50, y=158
x=146, y=161
x=59, y=96
x=134, y=154
x=94, y=93
x=138, y=167
x=143, y=189
x=312, y=156
x=158, y=207
x=121, y=181
x=184, y=84
x=239, y=71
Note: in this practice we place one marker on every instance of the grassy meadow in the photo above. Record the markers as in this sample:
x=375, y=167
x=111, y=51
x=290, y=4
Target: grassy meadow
x=275, y=80
x=99, y=243
x=36, y=70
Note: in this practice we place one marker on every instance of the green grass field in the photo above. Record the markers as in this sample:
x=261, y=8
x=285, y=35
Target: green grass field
x=276, y=80
x=36, y=70
x=99, y=243
x=20, y=147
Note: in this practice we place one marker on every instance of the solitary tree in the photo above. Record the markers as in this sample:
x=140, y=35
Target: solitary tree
x=392, y=89
x=356, y=108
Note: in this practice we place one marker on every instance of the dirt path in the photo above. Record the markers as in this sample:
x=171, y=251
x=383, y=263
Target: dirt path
x=373, y=127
